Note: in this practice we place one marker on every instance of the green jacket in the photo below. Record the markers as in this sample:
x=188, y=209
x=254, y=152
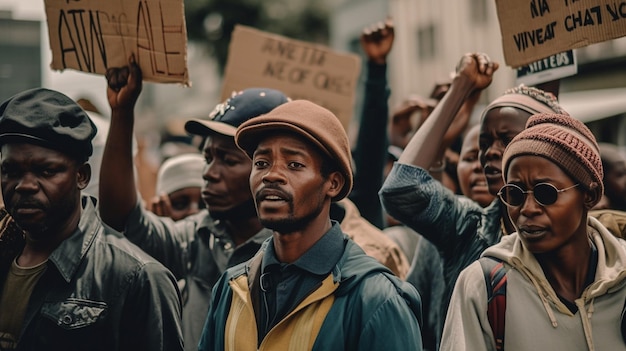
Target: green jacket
x=370, y=309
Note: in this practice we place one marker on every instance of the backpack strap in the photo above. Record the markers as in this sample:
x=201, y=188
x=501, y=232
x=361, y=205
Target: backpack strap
x=495, y=280
x=623, y=323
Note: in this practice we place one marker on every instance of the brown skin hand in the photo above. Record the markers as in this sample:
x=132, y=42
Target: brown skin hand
x=118, y=191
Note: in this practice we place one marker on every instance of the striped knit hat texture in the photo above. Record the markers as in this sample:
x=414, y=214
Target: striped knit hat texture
x=528, y=99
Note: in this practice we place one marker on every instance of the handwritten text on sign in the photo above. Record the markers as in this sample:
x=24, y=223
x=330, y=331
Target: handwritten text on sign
x=535, y=29
x=93, y=35
x=299, y=69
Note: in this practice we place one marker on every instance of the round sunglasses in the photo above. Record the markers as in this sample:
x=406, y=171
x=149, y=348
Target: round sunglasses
x=544, y=194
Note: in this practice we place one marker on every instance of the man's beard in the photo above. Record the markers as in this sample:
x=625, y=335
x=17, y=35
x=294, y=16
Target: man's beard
x=292, y=224
x=243, y=211
x=54, y=218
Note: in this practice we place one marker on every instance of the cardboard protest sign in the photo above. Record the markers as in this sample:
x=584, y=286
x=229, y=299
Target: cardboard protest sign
x=535, y=29
x=556, y=66
x=94, y=35
x=299, y=69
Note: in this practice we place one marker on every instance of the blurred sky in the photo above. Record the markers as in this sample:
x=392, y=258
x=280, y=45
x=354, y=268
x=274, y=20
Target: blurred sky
x=74, y=84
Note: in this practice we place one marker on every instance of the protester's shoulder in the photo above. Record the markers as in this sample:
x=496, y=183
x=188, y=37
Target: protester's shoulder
x=471, y=281
x=382, y=292
x=122, y=253
x=613, y=220
x=362, y=274
x=381, y=286
x=361, y=231
x=193, y=224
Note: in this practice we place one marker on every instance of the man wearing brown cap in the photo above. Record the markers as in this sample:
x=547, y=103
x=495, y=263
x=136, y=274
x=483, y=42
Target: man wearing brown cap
x=310, y=287
x=75, y=284
x=201, y=247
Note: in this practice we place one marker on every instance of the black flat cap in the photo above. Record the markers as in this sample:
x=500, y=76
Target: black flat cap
x=47, y=118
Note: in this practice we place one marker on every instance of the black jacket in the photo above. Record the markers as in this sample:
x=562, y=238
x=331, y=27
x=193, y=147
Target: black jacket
x=101, y=292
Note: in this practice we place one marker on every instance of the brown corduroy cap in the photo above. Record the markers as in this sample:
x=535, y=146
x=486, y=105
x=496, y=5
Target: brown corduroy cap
x=313, y=122
x=565, y=141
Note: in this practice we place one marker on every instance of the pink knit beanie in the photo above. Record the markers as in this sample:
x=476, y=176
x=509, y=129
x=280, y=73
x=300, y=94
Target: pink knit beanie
x=565, y=141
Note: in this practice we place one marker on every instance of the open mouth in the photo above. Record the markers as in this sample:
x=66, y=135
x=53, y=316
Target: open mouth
x=479, y=184
x=493, y=175
x=532, y=232
x=272, y=196
x=492, y=171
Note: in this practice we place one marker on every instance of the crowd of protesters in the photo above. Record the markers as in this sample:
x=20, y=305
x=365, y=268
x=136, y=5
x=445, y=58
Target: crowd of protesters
x=267, y=232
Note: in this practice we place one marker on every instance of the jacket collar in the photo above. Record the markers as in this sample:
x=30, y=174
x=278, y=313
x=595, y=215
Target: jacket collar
x=65, y=257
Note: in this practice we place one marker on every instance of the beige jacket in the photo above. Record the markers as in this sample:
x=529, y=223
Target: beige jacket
x=536, y=319
x=372, y=240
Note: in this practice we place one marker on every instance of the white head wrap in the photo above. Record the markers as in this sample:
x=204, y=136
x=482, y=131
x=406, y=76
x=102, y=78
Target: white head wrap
x=179, y=172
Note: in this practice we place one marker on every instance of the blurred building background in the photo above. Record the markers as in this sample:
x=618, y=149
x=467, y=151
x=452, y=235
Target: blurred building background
x=20, y=50
x=431, y=36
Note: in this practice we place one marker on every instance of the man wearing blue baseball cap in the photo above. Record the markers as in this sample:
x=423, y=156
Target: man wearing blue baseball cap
x=200, y=247
x=74, y=284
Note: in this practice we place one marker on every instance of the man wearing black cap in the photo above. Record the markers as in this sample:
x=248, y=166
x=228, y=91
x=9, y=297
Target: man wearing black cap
x=310, y=287
x=76, y=284
x=200, y=247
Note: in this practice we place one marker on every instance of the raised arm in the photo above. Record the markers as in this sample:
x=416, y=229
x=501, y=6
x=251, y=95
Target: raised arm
x=370, y=151
x=118, y=191
x=474, y=73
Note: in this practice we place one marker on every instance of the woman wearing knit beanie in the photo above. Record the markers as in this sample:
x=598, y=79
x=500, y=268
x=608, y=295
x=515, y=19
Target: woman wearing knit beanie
x=502, y=120
x=564, y=270
x=459, y=227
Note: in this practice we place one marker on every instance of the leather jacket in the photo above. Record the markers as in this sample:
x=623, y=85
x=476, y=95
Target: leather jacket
x=100, y=292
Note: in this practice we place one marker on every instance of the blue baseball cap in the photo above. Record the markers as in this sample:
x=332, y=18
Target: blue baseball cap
x=240, y=107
